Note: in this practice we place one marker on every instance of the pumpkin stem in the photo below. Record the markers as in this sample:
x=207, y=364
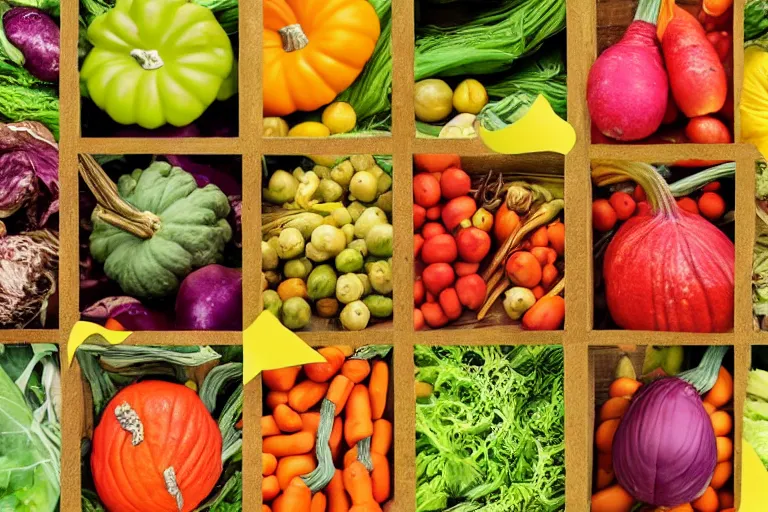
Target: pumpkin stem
x=148, y=59
x=611, y=172
x=112, y=208
x=173, y=487
x=294, y=37
x=130, y=422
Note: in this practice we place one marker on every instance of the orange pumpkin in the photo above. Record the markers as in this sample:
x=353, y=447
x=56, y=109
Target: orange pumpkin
x=156, y=448
x=313, y=50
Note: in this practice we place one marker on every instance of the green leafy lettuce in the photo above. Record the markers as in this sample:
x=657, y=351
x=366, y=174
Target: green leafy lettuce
x=491, y=436
x=755, y=428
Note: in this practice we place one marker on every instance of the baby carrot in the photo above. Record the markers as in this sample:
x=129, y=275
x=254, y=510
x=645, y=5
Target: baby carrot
x=319, y=502
x=286, y=418
x=338, y=392
x=293, y=444
x=334, y=442
x=381, y=440
x=275, y=398
x=296, y=498
x=269, y=427
x=310, y=421
x=377, y=388
x=358, y=483
x=268, y=464
x=270, y=488
x=323, y=372
x=292, y=466
x=305, y=395
x=356, y=370
x=282, y=379
x=338, y=501
x=380, y=477
x=358, y=424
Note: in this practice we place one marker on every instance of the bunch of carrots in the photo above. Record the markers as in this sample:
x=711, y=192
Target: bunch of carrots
x=611, y=497
x=621, y=206
x=357, y=388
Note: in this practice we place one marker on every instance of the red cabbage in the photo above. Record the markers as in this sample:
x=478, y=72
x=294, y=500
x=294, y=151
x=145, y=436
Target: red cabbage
x=211, y=298
x=36, y=35
x=664, y=451
x=205, y=174
x=129, y=312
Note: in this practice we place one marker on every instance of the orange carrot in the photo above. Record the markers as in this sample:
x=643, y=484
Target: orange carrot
x=350, y=456
x=624, y=386
x=722, y=473
x=275, y=398
x=269, y=427
x=614, y=408
x=666, y=13
x=381, y=440
x=338, y=392
x=722, y=392
x=725, y=497
x=724, y=449
x=268, y=464
x=296, y=498
x=287, y=419
x=323, y=372
x=380, y=477
x=292, y=466
x=604, y=435
x=306, y=394
x=310, y=421
x=319, y=502
x=293, y=444
x=356, y=370
x=338, y=501
x=377, y=388
x=612, y=499
x=334, y=442
x=358, y=483
x=358, y=424
x=270, y=488
x=721, y=422
x=282, y=379
x=707, y=502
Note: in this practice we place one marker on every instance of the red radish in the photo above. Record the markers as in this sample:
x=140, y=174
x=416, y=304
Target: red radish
x=437, y=277
x=688, y=204
x=435, y=212
x=426, y=190
x=430, y=298
x=457, y=210
x=669, y=270
x=546, y=315
x=523, y=269
x=711, y=187
x=696, y=75
x=434, y=315
x=439, y=249
x=463, y=268
x=721, y=42
x=418, y=268
x=473, y=244
x=638, y=194
x=419, y=216
x=432, y=229
x=449, y=302
x=711, y=205
x=670, y=116
x=623, y=205
x=471, y=290
x=436, y=163
x=707, y=130
x=437, y=175
x=418, y=320
x=603, y=215
x=455, y=183
x=627, y=88
x=419, y=292
x=418, y=243
x=643, y=208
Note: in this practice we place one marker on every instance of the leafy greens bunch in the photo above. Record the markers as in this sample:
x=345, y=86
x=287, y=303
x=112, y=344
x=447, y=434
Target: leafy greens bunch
x=30, y=432
x=490, y=438
x=756, y=413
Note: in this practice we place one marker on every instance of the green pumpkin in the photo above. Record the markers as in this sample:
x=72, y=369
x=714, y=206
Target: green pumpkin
x=190, y=231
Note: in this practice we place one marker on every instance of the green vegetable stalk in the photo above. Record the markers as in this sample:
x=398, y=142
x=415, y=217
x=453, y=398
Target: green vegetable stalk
x=755, y=426
x=755, y=19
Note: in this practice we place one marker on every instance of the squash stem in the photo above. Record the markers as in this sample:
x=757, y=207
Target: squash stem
x=113, y=209
x=609, y=172
x=293, y=37
x=147, y=59
x=704, y=376
x=172, y=486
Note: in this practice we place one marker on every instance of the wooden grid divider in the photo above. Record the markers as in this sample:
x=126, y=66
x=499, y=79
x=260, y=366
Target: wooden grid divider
x=251, y=145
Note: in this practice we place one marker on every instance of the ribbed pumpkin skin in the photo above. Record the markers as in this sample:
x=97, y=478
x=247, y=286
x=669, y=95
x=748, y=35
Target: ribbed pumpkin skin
x=342, y=35
x=667, y=274
x=178, y=432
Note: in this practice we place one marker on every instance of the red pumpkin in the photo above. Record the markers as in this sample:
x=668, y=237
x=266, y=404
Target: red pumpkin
x=669, y=270
x=156, y=448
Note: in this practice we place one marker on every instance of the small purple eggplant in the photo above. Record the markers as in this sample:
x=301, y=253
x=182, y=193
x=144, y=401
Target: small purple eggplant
x=36, y=35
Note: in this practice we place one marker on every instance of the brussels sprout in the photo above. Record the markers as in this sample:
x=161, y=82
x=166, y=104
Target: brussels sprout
x=380, y=274
x=359, y=245
x=355, y=316
x=306, y=223
x=269, y=258
x=367, y=290
x=362, y=162
x=341, y=216
x=364, y=186
x=385, y=201
x=329, y=239
x=329, y=191
x=297, y=268
x=272, y=302
x=321, y=282
x=355, y=210
x=379, y=306
x=316, y=255
x=323, y=172
x=370, y=217
x=349, y=232
x=342, y=173
x=379, y=240
x=349, y=260
x=281, y=188
x=296, y=313
x=291, y=244
x=349, y=288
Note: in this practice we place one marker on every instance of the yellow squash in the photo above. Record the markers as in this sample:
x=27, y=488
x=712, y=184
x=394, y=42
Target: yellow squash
x=754, y=98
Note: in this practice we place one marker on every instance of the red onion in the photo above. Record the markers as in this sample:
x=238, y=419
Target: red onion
x=129, y=312
x=664, y=451
x=211, y=298
x=36, y=35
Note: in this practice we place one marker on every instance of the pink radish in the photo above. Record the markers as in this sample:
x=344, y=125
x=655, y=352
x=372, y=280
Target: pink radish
x=628, y=89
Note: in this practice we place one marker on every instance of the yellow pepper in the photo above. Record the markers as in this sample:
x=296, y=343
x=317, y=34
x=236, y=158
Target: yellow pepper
x=754, y=98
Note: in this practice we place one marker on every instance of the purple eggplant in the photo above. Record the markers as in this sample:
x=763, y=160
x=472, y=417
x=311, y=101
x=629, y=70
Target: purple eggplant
x=36, y=35
x=211, y=299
